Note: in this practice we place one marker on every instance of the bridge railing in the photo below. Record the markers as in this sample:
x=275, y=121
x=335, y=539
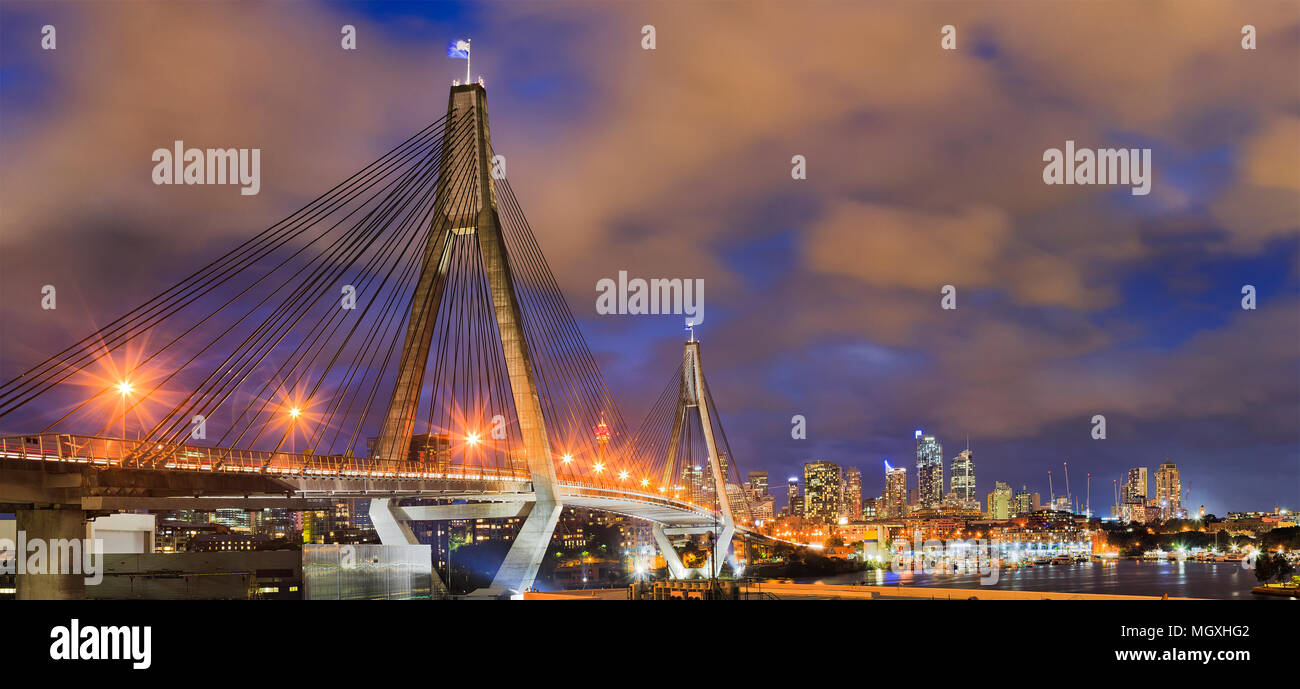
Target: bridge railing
x=136, y=454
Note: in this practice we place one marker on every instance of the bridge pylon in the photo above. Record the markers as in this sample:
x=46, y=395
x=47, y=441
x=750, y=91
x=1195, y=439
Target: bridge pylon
x=692, y=399
x=465, y=203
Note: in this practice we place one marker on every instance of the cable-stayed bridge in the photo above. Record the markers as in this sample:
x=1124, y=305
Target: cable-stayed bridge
x=399, y=338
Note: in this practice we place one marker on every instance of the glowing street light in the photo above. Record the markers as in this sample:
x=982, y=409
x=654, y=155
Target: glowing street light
x=472, y=438
x=622, y=475
x=598, y=467
x=125, y=388
x=295, y=412
x=567, y=458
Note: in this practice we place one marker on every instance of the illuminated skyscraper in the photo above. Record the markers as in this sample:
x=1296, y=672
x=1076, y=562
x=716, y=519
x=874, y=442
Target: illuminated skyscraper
x=1135, y=488
x=853, y=493
x=929, y=471
x=794, y=503
x=963, y=476
x=822, y=491
x=1169, y=490
x=895, y=506
x=757, y=483
x=1022, y=502
x=1000, y=501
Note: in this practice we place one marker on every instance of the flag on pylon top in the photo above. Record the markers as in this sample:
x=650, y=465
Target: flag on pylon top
x=458, y=49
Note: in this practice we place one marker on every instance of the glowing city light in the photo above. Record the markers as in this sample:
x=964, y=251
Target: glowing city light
x=598, y=467
x=125, y=388
x=295, y=412
x=472, y=438
x=567, y=458
x=622, y=475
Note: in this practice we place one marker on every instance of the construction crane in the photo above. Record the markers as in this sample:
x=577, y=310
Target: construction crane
x=1069, y=500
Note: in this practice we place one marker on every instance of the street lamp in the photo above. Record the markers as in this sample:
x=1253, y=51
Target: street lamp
x=125, y=388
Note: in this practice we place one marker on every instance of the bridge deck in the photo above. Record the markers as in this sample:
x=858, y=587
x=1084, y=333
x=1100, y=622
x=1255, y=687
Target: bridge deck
x=305, y=476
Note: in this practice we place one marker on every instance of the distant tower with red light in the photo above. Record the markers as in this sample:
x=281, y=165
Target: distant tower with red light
x=602, y=437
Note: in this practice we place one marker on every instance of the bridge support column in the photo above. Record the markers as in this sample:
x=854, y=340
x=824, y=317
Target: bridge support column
x=519, y=570
x=391, y=530
x=676, y=570
x=61, y=577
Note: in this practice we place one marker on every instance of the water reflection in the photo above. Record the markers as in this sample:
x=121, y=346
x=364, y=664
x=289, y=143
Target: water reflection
x=1127, y=577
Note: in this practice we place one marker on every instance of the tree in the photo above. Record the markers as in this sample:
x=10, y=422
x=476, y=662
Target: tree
x=1264, y=568
x=835, y=542
x=1284, y=569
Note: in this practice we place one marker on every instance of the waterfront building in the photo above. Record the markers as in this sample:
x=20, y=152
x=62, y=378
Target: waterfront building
x=1169, y=489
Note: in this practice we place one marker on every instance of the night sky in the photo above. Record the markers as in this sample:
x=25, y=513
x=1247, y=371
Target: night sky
x=822, y=296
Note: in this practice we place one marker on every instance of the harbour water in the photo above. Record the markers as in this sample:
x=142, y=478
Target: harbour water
x=1127, y=577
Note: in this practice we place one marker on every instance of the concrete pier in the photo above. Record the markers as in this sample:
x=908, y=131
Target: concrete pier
x=62, y=532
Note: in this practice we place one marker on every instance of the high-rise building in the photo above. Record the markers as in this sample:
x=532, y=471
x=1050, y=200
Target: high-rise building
x=794, y=503
x=823, y=491
x=963, y=476
x=895, y=506
x=1135, y=488
x=1169, y=490
x=929, y=471
x=1000, y=501
x=758, y=483
x=853, y=493
x=1023, y=502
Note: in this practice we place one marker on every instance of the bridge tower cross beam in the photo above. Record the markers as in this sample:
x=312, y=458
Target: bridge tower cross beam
x=471, y=208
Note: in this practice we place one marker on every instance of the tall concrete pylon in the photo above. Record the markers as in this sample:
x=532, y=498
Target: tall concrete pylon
x=692, y=399
x=465, y=203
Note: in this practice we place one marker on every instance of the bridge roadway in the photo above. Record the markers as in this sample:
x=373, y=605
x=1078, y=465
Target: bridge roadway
x=108, y=474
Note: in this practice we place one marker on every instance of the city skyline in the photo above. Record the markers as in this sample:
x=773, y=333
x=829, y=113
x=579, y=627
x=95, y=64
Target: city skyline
x=1072, y=302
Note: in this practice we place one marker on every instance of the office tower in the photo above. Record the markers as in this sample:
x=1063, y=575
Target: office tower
x=1169, y=490
x=822, y=491
x=1023, y=502
x=1135, y=488
x=758, y=483
x=794, y=503
x=963, y=476
x=929, y=471
x=895, y=506
x=1000, y=501
x=853, y=493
